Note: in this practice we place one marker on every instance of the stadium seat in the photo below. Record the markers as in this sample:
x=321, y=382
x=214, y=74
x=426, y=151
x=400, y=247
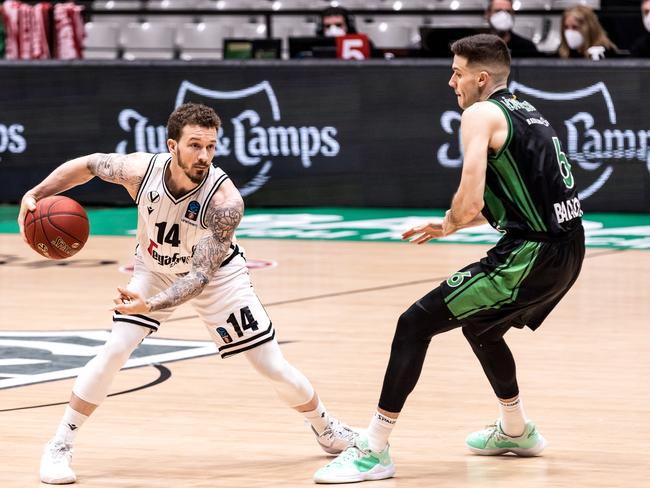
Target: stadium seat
x=253, y=28
x=101, y=40
x=148, y=41
x=202, y=41
x=108, y=5
x=388, y=35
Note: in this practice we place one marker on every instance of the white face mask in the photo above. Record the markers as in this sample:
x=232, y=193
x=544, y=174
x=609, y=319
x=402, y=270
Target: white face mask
x=502, y=21
x=646, y=22
x=334, y=31
x=573, y=38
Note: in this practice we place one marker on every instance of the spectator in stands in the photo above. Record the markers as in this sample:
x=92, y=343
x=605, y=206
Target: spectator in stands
x=500, y=16
x=582, y=35
x=641, y=47
x=335, y=21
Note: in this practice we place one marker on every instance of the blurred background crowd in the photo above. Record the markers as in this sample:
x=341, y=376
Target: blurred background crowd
x=284, y=29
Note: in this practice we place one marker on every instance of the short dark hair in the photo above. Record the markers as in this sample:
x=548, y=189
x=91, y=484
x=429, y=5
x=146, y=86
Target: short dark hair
x=330, y=11
x=482, y=48
x=335, y=11
x=191, y=114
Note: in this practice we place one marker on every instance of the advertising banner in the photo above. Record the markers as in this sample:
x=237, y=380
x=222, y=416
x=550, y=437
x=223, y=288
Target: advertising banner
x=323, y=133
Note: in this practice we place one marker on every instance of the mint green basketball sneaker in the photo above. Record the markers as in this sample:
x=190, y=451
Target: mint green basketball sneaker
x=492, y=441
x=357, y=463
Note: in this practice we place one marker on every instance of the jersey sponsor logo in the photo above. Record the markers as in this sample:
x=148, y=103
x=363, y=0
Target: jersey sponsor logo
x=252, y=133
x=514, y=104
x=592, y=138
x=567, y=210
x=35, y=357
x=192, y=211
x=169, y=261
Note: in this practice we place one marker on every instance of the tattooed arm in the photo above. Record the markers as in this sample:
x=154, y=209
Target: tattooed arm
x=126, y=170
x=223, y=216
x=123, y=169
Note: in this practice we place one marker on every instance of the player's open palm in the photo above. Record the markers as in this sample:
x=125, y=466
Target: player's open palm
x=424, y=233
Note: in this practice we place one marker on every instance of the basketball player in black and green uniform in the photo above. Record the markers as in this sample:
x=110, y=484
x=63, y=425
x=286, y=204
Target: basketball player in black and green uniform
x=515, y=177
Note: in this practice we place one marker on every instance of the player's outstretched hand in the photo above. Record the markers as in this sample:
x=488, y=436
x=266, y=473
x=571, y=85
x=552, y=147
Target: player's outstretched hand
x=424, y=233
x=129, y=302
x=27, y=204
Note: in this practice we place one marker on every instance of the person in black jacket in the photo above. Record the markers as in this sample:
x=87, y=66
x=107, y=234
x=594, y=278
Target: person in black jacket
x=500, y=16
x=641, y=46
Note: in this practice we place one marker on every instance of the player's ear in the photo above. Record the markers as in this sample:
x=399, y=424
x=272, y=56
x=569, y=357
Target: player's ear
x=483, y=78
x=171, y=145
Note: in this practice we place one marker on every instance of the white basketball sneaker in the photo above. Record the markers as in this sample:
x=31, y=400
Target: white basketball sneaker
x=55, y=464
x=337, y=437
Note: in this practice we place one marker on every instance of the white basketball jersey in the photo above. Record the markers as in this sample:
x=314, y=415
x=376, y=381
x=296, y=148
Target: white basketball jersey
x=169, y=227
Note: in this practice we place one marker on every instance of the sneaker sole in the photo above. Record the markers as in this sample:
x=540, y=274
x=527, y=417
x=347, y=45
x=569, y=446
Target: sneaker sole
x=519, y=451
x=330, y=451
x=64, y=481
x=382, y=474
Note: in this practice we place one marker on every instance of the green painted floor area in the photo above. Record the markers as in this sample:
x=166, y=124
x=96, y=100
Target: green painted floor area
x=621, y=231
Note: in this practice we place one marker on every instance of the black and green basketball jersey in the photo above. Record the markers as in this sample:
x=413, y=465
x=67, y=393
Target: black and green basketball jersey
x=529, y=186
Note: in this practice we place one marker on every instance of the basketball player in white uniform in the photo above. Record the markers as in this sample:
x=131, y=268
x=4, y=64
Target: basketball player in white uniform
x=188, y=211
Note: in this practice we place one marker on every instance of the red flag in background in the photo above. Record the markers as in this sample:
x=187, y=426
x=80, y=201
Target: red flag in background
x=69, y=30
x=10, y=10
x=27, y=30
x=40, y=31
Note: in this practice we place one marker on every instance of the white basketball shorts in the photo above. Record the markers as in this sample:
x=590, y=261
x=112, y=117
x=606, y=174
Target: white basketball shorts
x=228, y=306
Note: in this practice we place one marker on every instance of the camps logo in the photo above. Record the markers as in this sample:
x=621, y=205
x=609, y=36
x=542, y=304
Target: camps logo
x=591, y=139
x=252, y=135
x=35, y=357
x=12, y=139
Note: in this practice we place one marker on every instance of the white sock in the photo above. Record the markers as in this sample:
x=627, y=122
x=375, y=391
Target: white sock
x=379, y=431
x=318, y=418
x=513, y=420
x=69, y=425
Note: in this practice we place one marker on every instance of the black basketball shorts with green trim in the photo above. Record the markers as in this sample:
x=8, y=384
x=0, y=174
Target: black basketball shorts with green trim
x=518, y=283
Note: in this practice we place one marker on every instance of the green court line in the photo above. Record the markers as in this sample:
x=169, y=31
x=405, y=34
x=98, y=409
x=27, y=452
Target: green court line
x=614, y=231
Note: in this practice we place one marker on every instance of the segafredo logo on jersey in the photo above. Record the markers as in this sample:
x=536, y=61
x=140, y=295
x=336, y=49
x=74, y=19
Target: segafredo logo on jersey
x=35, y=357
x=592, y=139
x=252, y=131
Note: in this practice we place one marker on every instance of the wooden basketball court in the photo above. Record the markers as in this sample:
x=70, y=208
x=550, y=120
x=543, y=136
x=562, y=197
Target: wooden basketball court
x=584, y=375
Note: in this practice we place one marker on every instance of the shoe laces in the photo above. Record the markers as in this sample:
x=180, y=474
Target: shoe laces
x=339, y=429
x=60, y=452
x=350, y=454
x=497, y=433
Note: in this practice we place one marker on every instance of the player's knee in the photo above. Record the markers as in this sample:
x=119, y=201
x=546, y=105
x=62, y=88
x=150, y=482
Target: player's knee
x=486, y=341
x=277, y=371
x=471, y=337
x=119, y=347
x=268, y=360
x=414, y=325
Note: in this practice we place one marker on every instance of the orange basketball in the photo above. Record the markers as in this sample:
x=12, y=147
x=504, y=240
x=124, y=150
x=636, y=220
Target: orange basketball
x=58, y=228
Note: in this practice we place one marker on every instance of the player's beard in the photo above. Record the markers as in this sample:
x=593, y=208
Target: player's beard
x=194, y=177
